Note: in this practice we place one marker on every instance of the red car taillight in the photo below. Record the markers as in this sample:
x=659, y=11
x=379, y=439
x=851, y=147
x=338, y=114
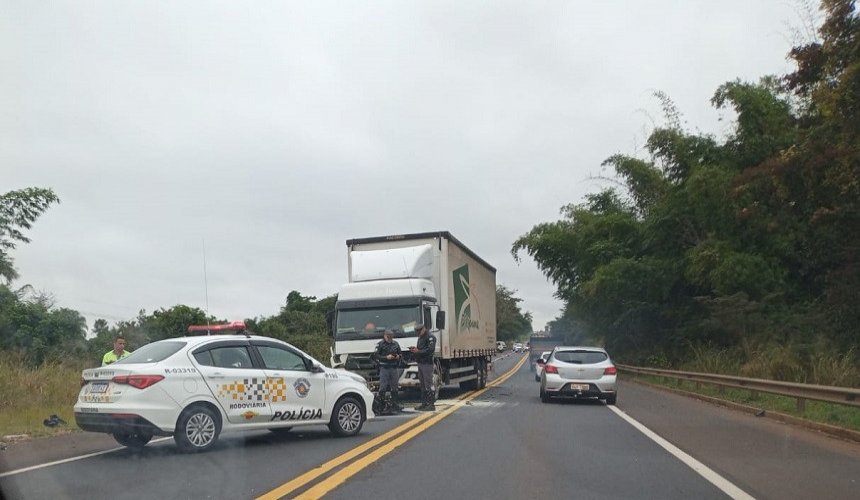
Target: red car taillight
x=550, y=369
x=610, y=370
x=138, y=381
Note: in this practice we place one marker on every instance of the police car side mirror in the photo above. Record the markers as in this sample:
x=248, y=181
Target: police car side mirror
x=315, y=368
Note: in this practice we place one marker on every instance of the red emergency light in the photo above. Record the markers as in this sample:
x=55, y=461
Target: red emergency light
x=232, y=326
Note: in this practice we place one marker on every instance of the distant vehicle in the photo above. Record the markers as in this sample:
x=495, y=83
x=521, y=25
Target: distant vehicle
x=518, y=347
x=539, y=366
x=195, y=387
x=501, y=346
x=578, y=372
x=540, y=344
x=402, y=280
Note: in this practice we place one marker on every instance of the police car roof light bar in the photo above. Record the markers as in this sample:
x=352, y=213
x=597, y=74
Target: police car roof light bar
x=237, y=326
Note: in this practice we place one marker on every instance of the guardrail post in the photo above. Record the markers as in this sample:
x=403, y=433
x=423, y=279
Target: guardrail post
x=801, y=405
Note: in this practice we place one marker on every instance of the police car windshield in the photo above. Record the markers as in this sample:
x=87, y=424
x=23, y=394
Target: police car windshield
x=153, y=353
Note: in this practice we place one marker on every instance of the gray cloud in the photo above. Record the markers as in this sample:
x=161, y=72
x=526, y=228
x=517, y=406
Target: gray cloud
x=277, y=131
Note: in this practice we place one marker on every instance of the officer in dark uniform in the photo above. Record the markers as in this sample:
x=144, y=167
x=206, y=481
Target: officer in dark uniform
x=387, y=356
x=423, y=355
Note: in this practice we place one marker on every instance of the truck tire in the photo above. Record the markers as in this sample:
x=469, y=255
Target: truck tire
x=437, y=380
x=482, y=374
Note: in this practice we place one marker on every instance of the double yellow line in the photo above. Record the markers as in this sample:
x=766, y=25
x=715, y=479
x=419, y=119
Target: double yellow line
x=388, y=443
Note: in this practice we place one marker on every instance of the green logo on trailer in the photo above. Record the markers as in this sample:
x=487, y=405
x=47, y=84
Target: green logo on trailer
x=463, y=299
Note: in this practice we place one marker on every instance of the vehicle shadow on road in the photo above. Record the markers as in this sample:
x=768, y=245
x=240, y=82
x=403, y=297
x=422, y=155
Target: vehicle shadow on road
x=575, y=402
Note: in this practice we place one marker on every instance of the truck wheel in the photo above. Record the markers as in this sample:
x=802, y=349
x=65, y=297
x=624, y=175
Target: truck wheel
x=197, y=429
x=437, y=380
x=482, y=374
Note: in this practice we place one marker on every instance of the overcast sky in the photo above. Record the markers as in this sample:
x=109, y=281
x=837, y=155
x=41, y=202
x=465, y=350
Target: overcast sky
x=276, y=131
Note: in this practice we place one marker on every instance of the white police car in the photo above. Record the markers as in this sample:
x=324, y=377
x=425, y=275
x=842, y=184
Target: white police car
x=195, y=387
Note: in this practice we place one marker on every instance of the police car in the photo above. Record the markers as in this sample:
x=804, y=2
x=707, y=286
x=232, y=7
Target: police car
x=193, y=388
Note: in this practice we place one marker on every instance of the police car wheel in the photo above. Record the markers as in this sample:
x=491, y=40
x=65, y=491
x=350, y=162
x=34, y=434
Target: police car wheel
x=347, y=417
x=197, y=429
x=133, y=440
x=279, y=431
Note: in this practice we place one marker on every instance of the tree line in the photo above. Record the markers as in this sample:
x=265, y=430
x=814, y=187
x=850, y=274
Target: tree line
x=748, y=244
x=35, y=330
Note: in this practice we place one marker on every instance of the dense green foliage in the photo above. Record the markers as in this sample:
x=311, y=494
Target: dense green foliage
x=742, y=243
x=511, y=322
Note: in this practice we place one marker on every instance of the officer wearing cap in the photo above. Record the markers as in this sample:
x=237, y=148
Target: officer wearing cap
x=423, y=355
x=387, y=355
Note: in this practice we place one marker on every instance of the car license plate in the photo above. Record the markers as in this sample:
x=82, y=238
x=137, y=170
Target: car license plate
x=98, y=387
x=578, y=387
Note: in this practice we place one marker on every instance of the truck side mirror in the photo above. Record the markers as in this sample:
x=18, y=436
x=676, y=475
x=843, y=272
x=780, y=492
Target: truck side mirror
x=329, y=323
x=440, y=320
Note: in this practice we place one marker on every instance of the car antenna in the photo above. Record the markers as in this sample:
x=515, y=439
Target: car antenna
x=206, y=287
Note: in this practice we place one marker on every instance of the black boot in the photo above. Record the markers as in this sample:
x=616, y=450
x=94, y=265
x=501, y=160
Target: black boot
x=427, y=398
x=431, y=398
x=424, y=402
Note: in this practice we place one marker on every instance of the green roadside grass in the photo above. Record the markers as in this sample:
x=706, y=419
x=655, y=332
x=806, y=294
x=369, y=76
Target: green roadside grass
x=29, y=395
x=847, y=417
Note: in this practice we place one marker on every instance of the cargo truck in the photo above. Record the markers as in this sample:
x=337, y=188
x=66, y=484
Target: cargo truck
x=398, y=281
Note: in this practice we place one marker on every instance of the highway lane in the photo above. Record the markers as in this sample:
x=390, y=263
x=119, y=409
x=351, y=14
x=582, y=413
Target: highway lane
x=501, y=444
x=770, y=459
x=507, y=444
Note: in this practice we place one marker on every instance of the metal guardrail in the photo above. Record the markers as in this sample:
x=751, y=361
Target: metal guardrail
x=830, y=394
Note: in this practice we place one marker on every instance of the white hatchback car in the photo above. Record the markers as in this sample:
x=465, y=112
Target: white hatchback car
x=194, y=387
x=578, y=372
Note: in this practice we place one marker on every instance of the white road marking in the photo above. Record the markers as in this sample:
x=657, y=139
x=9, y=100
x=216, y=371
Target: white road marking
x=703, y=470
x=72, y=459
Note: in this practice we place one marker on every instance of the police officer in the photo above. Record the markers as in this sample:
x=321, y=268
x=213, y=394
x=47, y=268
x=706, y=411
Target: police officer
x=423, y=355
x=387, y=355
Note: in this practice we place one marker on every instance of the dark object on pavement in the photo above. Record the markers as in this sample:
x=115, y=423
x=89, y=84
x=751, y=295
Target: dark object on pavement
x=53, y=421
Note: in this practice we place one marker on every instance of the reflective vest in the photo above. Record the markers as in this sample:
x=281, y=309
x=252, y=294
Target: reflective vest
x=110, y=357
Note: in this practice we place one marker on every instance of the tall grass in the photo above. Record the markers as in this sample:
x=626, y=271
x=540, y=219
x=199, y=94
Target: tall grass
x=30, y=395
x=788, y=362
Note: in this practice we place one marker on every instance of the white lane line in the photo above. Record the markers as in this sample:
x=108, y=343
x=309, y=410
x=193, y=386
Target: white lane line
x=67, y=460
x=703, y=470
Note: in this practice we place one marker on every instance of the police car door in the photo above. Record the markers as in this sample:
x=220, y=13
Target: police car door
x=238, y=384
x=300, y=394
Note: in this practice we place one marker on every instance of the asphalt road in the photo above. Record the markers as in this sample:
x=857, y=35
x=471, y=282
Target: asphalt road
x=503, y=443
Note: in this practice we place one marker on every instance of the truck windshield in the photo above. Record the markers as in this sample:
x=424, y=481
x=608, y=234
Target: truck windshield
x=370, y=323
